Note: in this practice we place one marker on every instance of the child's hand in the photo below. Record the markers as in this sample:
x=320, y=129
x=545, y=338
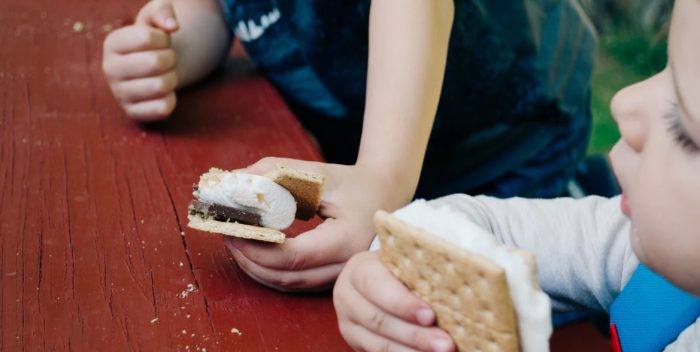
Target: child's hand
x=313, y=260
x=378, y=313
x=139, y=63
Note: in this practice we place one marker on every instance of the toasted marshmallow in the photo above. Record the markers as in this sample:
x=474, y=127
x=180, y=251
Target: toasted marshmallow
x=251, y=193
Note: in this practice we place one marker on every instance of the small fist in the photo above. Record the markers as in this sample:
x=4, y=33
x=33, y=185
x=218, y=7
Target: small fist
x=139, y=63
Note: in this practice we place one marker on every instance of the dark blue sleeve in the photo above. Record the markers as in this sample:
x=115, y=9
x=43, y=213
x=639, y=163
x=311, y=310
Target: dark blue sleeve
x=226, y=6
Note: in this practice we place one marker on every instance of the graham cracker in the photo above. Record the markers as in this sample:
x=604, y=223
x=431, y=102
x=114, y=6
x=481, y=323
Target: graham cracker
x=235, y=229
x=468, y=292
x=306, y=188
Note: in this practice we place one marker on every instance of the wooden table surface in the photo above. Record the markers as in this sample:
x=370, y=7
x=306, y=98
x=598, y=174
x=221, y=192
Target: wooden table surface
x=94, y=251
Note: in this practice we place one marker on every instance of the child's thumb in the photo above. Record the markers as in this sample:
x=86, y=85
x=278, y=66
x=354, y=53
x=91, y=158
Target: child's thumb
x=159, y=14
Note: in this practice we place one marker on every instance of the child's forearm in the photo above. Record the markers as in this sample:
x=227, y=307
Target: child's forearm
x=202, y=41
x=407, y=53
x=581, y=245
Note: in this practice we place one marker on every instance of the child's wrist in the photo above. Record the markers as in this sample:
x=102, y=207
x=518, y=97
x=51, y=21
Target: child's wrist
x=398, y=180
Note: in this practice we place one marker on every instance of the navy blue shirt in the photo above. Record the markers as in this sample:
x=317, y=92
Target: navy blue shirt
x=513, y=117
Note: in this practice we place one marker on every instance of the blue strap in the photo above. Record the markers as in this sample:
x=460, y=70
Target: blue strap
x=650, y=312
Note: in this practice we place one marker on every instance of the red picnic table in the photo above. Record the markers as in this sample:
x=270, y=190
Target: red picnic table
x=95, y=252
x=94, y=249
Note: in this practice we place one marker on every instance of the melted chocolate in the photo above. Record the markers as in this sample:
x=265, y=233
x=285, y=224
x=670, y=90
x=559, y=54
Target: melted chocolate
x=223, y=213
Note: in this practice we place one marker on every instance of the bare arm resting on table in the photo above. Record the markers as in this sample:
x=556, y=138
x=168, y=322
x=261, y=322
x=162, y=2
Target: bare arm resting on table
x=163, y=50
x=408, y=50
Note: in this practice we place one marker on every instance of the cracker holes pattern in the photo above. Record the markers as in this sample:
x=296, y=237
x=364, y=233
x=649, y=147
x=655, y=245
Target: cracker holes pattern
x=460, y=298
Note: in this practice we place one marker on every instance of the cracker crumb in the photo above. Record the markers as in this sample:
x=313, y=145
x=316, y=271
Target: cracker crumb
x=190, y=288
x=184, y=332
x=78, y=26
x=107, y=28
x=182, y=264
x=154, y=320
x=182, y=233
x=236, y=331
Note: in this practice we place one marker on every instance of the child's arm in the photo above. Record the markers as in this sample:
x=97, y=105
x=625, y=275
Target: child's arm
x=407, y=55
x=170, y=44
x=583, y=251
x=408, y=49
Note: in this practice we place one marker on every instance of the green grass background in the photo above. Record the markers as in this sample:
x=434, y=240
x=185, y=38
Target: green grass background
x=625, y=56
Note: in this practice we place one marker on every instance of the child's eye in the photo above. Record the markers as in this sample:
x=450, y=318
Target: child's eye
x=680, y=134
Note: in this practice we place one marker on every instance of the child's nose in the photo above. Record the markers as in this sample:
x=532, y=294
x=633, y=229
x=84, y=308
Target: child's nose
x=630, y=110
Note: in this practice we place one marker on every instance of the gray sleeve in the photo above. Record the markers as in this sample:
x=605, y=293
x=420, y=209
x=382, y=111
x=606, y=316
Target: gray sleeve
x=582, y=245
x=688, y=340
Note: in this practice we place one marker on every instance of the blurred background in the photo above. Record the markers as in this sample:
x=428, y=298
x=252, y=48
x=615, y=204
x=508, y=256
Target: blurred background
x=633, y=36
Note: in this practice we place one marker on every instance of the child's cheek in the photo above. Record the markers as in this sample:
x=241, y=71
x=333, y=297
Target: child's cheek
x=637, y=246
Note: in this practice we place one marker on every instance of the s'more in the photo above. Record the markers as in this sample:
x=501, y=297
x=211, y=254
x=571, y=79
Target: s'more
x=256, y=207
x=485, y=295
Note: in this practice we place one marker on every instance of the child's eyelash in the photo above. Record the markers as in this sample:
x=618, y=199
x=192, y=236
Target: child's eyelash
x=678, y=131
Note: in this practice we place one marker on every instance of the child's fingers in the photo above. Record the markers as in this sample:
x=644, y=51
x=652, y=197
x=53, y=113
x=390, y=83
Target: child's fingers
x=268, y=164
x=139, y=65
x=151, y=110
x=362, y=339
x=388, y=293
x=326, y=244
x=135, y=38
x=261, y=166
x=313, y=279
x=159, y=14
x=137, y=90
x=386, y=325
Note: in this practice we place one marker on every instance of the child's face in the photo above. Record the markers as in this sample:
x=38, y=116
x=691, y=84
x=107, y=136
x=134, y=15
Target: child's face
x=657, y=160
